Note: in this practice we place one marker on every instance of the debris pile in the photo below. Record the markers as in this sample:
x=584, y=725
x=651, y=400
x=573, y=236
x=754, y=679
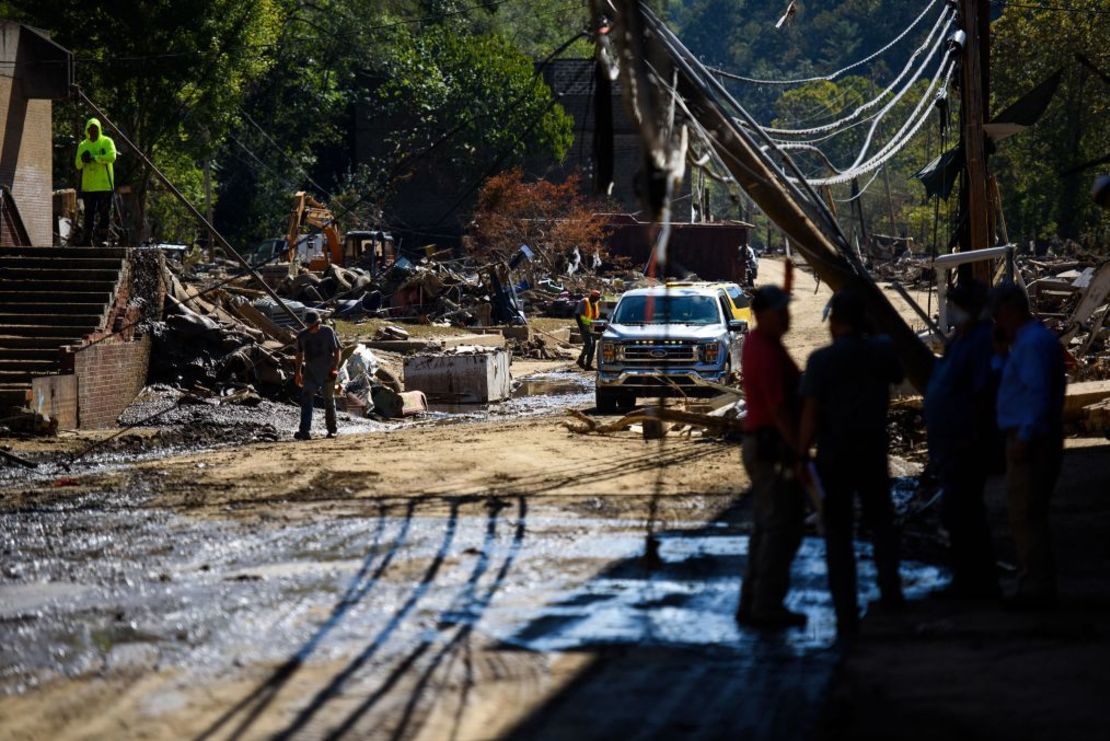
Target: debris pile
x=1072, y=296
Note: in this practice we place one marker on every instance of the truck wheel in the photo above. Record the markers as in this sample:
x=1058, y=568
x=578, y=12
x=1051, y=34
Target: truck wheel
x=606, y=400
x=627, y=401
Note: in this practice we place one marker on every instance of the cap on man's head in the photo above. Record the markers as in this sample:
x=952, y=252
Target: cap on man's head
x=969, y=295
x=847, y=307
x=311, y=317
x=769, y=298
x=595, y=293
x=1008, y=293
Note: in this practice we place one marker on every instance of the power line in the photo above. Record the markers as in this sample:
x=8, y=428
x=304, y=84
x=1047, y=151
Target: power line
x=833, y=75
x=935, y=40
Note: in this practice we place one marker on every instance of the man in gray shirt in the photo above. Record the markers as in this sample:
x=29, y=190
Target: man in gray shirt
x=317, y=368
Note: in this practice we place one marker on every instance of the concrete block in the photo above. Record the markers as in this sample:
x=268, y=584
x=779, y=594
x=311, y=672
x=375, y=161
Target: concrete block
x=393, y=405
x=470, y=378
x=516, y=332
x=55, y=397
x=472, y=340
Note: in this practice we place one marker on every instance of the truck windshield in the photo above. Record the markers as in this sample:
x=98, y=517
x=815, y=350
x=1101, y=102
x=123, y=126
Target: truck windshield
x=667, y=310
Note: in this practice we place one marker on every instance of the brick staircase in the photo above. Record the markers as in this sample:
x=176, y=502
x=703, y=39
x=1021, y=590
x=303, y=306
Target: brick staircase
x=50, y=298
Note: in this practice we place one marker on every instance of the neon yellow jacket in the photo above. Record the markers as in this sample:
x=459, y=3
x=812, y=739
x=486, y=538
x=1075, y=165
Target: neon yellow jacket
x=99, y=174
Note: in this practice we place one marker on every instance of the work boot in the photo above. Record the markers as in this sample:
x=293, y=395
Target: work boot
x=331, y=434
x=778, y=619
x=301, y=435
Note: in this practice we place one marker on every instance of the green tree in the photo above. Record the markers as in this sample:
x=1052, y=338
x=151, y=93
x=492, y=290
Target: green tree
x=1042, y=191
x=170, y=74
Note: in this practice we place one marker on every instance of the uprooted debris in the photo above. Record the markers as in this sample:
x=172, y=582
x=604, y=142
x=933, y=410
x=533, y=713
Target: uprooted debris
x=724, y=418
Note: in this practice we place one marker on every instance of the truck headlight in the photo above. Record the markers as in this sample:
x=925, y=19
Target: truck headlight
x=608, y=352
x=711, y=352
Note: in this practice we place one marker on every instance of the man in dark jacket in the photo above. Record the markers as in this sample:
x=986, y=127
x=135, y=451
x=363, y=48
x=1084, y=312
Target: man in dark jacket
x=964, y=440
x=845, y=397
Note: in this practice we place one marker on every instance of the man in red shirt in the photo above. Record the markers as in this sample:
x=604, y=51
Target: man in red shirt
x=771, y=385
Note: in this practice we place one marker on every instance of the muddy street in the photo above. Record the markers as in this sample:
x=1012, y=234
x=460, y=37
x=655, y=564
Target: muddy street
x=480, y=572
x=325, y=609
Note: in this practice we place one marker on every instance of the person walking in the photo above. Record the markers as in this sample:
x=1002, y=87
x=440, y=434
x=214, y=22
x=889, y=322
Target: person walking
x=770, y=440
x=845, y=397
x=1030, y=415
x=317, y=367
x=96, y=155
x=588, y=311
x=964, y=440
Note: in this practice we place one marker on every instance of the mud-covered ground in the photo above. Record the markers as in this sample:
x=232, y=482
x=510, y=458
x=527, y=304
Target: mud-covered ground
x=473, y=574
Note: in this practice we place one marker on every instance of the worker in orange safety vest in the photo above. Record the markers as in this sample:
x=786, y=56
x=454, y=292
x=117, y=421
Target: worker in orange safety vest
x=589, y=311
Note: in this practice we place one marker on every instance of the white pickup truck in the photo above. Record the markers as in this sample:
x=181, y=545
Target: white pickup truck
x=668, y=340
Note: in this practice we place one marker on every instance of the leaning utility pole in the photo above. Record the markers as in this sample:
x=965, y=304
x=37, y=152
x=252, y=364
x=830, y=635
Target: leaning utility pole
x=975, y=19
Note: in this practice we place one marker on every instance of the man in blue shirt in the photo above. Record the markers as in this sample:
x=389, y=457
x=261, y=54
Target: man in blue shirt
x=1030, y=414
x=960, y=421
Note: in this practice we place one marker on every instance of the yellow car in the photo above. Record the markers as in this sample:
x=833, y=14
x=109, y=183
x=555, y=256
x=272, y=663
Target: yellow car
x=739, y=303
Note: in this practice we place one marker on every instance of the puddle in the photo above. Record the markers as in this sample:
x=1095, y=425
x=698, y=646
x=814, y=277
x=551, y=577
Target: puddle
x=553, y=384
x=101, y=584
x=691, y=599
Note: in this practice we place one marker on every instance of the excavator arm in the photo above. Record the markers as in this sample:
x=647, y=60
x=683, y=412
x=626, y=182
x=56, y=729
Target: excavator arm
x=307, y=211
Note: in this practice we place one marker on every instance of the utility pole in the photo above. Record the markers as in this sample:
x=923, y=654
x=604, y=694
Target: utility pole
x=976, y=59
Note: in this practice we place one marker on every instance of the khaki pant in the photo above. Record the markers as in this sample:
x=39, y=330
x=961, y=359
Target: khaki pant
x=778, y=521
x=1029, y=485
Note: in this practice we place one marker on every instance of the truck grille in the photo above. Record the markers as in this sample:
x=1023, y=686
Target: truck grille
x=672, y=351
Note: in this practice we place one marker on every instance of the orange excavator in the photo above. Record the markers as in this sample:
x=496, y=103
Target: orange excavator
x=372, y=249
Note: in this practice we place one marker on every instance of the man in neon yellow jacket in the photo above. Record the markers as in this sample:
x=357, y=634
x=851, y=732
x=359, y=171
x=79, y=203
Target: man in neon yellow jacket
x=95, y=155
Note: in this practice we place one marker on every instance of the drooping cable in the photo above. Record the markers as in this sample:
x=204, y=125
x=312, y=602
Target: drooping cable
x=803, y=193
x=834, y=75
x=933, y=43
x=901, y=139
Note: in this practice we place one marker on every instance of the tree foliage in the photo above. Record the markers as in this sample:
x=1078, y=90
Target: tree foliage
x=1045, y=187
x=170, y=74
x=554, y=219
x=1043, y=191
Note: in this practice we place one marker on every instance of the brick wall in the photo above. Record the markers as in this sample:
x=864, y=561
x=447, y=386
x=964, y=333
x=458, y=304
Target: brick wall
x=26, y=156
x=109, y=377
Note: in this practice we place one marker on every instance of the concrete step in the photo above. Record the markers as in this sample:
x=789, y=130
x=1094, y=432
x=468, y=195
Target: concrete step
x=57, y=274
x=92, y=321
x=35, y=342
x=84, y=252
x=55, y=288
x=11, y=378
x=53, y=335
x=82, y=263
x=29, y=354
x=13, y=397
x=63, y=304
x=11, y=298
x=38, y=367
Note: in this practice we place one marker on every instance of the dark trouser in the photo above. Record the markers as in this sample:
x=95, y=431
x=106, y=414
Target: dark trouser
x=98, y=206
x=844, y=477
x=778, y=520
x=964, y=514
x=589, y=343
x=308, y=401
x=1029, y=485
